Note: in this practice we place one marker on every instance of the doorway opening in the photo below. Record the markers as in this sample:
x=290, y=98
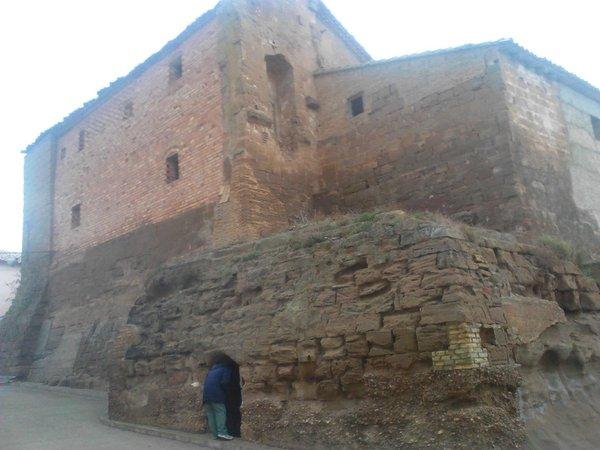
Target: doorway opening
x=233, y=392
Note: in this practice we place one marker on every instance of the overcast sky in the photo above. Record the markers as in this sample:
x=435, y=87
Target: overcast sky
x=57, y=54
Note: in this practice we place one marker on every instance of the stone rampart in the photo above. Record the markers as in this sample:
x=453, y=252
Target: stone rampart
x=340, y=329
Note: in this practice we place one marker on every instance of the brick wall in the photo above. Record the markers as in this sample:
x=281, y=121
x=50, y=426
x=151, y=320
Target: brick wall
x=465, y=349
x=131, y=218
x=467, y=132
x=119, y=177
x=434, y=135
x=271, y=186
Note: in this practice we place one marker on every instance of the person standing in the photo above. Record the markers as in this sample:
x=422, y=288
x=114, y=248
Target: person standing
x=214, y=395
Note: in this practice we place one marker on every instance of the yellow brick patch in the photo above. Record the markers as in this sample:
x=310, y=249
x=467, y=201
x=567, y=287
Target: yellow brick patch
x=465, y=350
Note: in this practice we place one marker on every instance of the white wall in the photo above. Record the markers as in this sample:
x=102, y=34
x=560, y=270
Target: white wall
x=585, y=150
x=8, y=276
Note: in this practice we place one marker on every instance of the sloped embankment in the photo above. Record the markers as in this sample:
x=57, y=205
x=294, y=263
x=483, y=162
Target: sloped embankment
x=372, y=332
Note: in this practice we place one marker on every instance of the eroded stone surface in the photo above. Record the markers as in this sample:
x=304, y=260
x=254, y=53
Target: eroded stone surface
x=292, y=311
x=527, y=318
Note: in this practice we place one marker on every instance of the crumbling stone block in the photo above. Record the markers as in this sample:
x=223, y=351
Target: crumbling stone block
x=590, y=301
x=332, y=343
x=381, y=338
x=405, y=340
x=357, y=346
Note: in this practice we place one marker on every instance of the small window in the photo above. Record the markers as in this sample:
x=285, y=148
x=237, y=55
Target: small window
x=82, y=137
x=63, y=153
x=76, y=216
x=357, y=105
x=596, y=127
x=175, y=69
x=128, y=110
x=172, y=168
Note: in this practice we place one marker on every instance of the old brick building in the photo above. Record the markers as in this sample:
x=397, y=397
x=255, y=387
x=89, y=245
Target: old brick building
x=264, y=113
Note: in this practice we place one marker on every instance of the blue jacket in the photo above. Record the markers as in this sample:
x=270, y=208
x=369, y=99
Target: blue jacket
x=216, y=382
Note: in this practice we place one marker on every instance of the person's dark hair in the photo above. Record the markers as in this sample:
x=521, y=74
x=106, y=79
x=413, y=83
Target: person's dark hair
x=221, y=358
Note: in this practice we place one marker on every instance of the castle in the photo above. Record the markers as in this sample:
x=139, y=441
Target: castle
x=264, y=114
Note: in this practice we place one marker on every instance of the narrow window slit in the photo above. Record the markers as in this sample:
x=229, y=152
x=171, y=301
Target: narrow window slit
x=596, y=127
x=128, y=110
x=172, y=168
x=175, y=69
x=76, y=216
x=82, y=138
x=357, y=105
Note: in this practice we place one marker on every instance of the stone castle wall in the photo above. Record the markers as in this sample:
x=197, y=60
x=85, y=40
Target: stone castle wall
x=470, y=132
x=585, y=149
x=326, y=321
x=132, y=219
x=235, y=179
x=345, y=328
x=555, y=155
x=435, y=135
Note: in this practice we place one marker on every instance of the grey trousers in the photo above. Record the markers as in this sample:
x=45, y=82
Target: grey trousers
x=216, y=415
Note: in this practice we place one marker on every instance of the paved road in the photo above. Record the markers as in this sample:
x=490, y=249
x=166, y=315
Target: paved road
x=34, y=419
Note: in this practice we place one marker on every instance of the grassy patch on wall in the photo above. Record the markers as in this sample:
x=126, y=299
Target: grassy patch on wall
x=564, y=250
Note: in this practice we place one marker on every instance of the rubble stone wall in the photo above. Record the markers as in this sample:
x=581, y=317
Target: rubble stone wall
x=337, y=328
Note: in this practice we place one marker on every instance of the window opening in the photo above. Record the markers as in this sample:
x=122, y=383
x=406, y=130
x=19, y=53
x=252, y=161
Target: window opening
x=596, y=127
x=357, y=105
x=82, y=136
x=234, y=391
x=175, y=69
x=172, y=168
x=76, y=216
x=128, y=110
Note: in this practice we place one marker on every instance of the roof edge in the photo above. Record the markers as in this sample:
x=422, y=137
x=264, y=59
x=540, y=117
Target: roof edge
x=325, y=15
x=103, y=95
x=426, y=54
x=510, y=48
x=548, y=69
